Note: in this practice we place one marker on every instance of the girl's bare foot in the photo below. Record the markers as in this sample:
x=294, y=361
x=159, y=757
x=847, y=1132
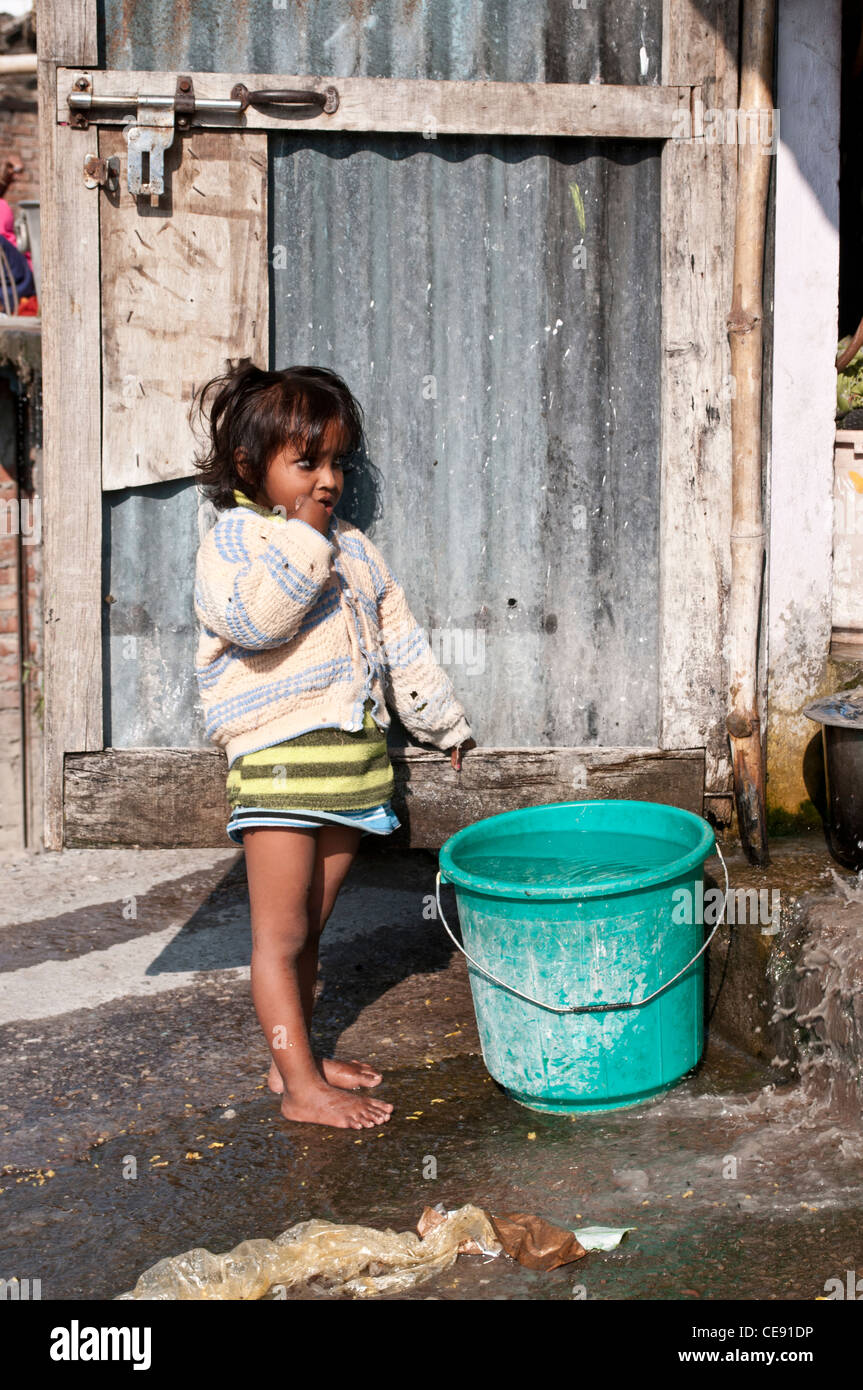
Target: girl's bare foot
x=348, y=1076
x=327, y=1105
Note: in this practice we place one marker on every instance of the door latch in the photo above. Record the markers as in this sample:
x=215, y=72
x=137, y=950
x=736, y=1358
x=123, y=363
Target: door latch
x=102, y=173
x=147, y=140
x=151, y=133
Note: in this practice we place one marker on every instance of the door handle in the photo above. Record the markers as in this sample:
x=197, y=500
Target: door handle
x=327, y=100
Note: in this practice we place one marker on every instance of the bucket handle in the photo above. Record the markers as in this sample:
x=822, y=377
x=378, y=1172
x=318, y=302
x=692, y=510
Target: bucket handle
x=583, y=1008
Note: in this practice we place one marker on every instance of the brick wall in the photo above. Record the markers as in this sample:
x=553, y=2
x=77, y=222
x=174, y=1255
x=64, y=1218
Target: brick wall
x=19, y=136
x=20, y=620
x=20, y=492
x=11, y=731
x=18, y=107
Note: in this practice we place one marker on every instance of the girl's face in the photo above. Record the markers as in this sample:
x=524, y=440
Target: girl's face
x=290, y=476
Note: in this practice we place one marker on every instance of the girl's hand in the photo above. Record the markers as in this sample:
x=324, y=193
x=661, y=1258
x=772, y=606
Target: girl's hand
x=315, y=513
x=459, y=749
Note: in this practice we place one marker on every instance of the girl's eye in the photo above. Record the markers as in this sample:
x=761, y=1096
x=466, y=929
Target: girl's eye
x=345, y=463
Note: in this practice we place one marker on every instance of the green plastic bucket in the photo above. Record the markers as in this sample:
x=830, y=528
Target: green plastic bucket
x=587, y=978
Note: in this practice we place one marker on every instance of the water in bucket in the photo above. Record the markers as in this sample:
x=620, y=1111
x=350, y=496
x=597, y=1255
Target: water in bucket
x=582, y=856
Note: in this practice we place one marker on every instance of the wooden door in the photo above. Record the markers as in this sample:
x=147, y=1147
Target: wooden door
x=144, y=302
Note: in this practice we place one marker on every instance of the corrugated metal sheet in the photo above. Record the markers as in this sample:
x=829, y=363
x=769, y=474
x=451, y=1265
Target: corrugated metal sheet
x=454, y=40
x=511, y=391
x=149, y=542
x=512, y=402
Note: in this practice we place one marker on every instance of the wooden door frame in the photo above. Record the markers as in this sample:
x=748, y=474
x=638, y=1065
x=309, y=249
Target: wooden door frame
x=697, y=202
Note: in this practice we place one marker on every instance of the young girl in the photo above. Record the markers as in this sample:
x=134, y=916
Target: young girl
x=305, y=636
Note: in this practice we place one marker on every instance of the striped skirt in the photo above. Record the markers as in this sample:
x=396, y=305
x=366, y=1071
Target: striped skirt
x=322, y=777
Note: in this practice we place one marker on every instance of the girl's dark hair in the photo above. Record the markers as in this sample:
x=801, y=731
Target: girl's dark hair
x=259, y=412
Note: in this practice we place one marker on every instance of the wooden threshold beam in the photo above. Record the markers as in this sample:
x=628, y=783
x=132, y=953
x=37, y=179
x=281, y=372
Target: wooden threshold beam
x=167, y=798
x=417, y=105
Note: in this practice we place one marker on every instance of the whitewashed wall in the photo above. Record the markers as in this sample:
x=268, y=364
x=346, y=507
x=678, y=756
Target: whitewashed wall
x=805, y=330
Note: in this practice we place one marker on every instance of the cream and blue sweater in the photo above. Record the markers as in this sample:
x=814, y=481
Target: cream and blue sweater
x=298, y=629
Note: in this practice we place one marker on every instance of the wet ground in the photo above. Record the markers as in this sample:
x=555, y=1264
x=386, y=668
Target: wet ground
x=134, y=1121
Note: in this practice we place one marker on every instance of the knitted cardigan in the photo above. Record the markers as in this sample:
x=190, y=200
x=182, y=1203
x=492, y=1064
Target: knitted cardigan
x=298, y=629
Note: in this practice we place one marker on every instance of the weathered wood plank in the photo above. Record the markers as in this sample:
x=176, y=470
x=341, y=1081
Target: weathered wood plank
x=166, y=797
x=420, y=105
x=67, y=32
x=689, y=40
x=184, y=289
x=71, y=510
x=698, y=190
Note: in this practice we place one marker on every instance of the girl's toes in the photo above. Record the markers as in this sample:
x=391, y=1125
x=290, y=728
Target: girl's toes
x=365, y=1068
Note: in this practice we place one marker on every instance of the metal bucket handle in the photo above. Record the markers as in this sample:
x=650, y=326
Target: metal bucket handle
x=583, y=1008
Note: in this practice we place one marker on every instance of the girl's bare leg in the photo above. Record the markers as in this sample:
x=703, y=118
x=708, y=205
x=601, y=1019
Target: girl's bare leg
x=337, y=846
x=280, y=868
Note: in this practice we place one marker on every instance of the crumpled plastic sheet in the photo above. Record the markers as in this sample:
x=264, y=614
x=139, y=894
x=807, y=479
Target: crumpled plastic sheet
x=322, y=1256
x=601, y=1237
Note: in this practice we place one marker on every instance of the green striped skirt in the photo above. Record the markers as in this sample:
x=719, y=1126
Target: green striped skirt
x=319, y=777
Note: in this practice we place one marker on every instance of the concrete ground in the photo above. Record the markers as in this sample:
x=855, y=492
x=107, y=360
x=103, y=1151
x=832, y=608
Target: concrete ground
x=135, y=1123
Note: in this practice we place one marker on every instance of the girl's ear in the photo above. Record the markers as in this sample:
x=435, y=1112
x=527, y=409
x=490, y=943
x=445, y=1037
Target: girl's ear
x=240, y=463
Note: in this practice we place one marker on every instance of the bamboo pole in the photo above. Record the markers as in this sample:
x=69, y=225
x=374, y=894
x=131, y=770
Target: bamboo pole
x=17, y=62
x=747, y=529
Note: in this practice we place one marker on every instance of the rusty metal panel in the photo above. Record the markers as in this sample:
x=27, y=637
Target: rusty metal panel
x=495, y=306
x=149, y=542
x=450, y=40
